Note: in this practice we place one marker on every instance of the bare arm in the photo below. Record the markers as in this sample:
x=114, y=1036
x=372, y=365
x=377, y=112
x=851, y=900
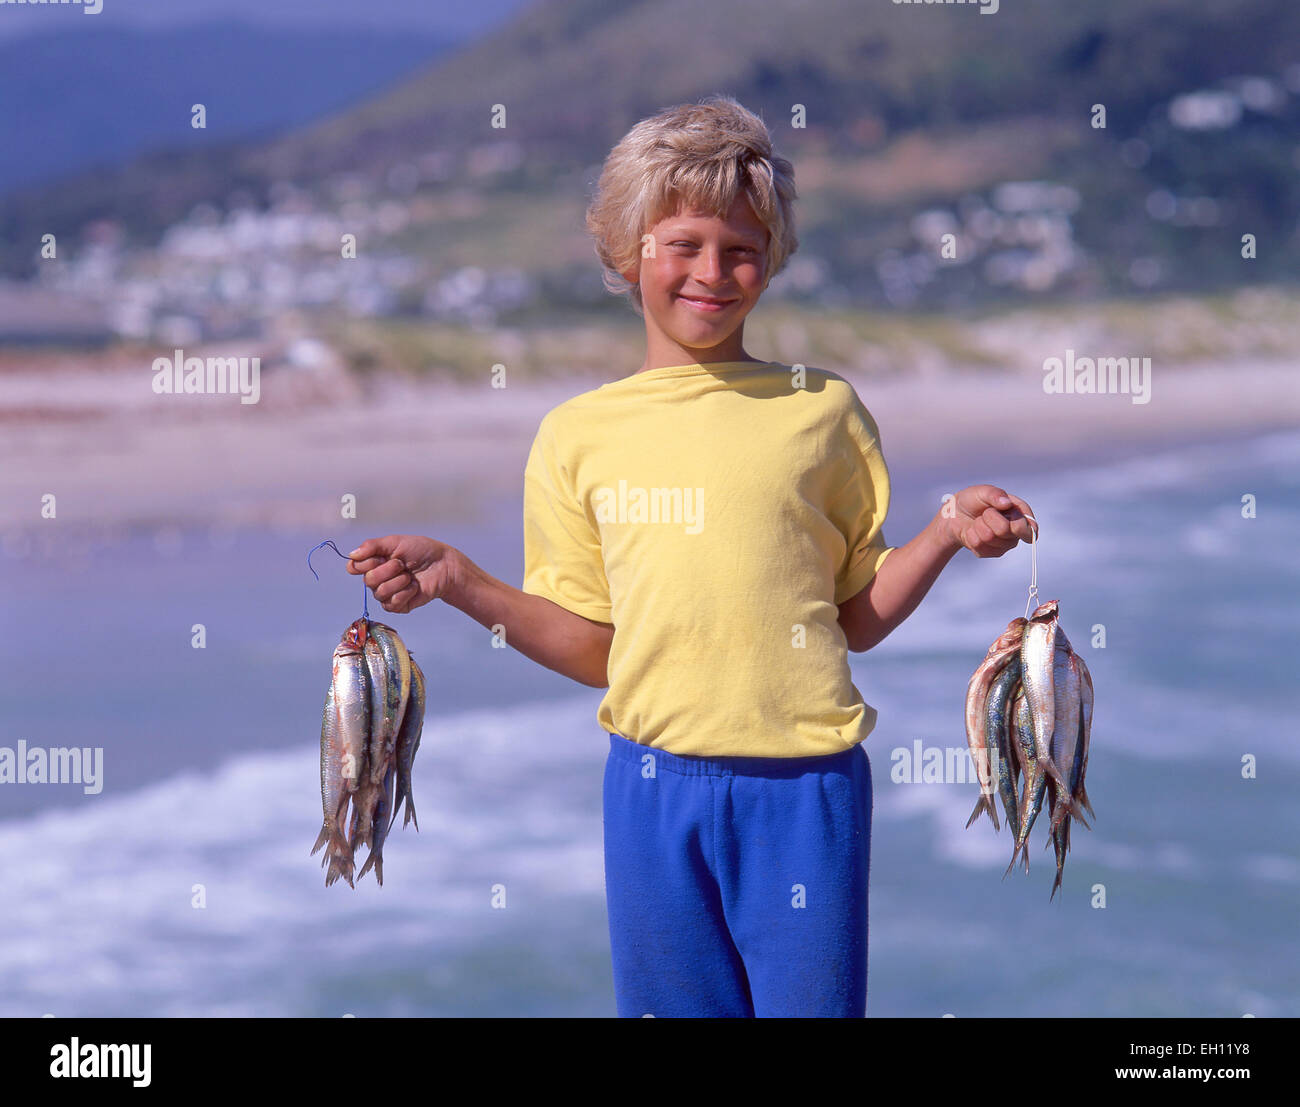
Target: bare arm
x=542, y=630
x=984, y=519
x=405, y=571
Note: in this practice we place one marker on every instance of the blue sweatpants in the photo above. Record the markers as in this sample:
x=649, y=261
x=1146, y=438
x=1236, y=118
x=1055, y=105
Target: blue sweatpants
x=737, y=886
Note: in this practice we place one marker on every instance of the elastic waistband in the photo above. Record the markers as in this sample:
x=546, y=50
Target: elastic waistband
x=624, y=749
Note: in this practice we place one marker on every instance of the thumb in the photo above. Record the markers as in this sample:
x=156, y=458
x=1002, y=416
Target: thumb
x=995, y=496
x=370, y=548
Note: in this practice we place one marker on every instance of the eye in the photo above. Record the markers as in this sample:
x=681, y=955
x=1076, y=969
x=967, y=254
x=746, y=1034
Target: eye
x=692, y=246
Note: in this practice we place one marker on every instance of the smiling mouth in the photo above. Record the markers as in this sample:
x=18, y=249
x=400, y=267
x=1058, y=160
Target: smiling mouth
x=707, y=304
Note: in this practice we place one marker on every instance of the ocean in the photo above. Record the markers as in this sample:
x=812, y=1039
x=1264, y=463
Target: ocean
x=185, y=887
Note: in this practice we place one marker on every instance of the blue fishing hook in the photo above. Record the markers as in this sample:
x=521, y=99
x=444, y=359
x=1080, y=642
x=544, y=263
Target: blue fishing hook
x=365, y=592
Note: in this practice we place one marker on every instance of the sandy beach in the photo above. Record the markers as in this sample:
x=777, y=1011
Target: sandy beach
x=117, y=456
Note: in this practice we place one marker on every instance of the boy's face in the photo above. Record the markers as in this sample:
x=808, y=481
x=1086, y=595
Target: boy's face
x=706, y=276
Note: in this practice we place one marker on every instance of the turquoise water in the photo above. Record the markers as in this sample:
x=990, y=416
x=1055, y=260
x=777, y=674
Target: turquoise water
x=185, y=887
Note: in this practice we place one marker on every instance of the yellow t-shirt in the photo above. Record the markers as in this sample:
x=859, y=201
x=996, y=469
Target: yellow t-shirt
x=716, y=515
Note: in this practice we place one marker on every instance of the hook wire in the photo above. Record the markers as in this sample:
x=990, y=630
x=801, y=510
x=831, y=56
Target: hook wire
x=1032, y=601
x=365, y=592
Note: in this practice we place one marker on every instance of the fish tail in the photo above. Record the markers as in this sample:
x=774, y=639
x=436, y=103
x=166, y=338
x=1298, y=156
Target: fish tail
x=410, y=813
x=340, y=855
x=339, y=866
x=375, y=861
x=370, y=861
x=1013, y=862
x=1067, y=808
x=985, y=804
x=1022, y=847
x=321, y=839
x=1060, y=871
x=1082, y=797
x=1049, y=766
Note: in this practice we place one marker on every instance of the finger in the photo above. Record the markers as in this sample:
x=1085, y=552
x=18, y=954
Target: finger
x=989, y=495
x=998, y=524
x=381, y=576
x=980, y=536
x=1022, y=529
x=385, y=592
x=1027, y=513
x=372, y=552
x=401, y=601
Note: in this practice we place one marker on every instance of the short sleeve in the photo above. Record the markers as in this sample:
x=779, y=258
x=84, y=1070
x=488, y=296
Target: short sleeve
x=858, y=510
x=562, y=553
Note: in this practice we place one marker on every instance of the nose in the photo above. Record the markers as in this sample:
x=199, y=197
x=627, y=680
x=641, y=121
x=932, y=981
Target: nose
x=708, y=267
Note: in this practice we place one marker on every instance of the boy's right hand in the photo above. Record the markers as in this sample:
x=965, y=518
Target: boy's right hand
x=404, y=571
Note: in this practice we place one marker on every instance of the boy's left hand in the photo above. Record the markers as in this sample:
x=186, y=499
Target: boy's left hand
x=986, y=520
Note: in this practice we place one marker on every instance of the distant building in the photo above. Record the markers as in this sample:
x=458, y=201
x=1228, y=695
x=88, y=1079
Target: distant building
x=34, y=316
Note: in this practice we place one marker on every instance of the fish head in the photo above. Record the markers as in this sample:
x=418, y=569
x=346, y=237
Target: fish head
x=1046, y=612
x=354, y=638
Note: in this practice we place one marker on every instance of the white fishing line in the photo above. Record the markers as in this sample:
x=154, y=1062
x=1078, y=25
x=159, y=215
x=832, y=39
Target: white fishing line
x=1032, y=602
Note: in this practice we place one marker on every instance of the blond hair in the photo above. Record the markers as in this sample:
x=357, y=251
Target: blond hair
x=692, y=156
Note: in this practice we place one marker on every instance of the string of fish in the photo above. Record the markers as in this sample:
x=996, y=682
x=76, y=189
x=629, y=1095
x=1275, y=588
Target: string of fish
x=1028, y=725
x=370, y=733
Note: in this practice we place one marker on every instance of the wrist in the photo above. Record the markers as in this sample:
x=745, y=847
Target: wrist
x=459, y=579
x=944, y=535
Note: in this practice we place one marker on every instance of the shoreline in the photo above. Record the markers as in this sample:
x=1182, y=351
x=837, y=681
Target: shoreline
x=455, y=452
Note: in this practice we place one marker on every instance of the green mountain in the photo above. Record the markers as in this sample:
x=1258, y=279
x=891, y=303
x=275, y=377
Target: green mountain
x=910, y=108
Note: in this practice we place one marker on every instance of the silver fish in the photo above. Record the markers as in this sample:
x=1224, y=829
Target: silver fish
x=345, y=726
x=389, y=667
x=1037, y=658
x=1080, y=792
x=388, y=658
x=999, y=653
x=408, y=743
x=1066, y=681
x=1035, y=779
x=998, y=709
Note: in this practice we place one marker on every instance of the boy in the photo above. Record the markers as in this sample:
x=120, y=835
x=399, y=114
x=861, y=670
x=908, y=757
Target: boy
x=703, y=538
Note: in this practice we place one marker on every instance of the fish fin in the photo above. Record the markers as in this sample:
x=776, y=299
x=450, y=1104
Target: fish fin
x=340, y=858
x=1067, y=808
x=1049, y=766
x=1013, y=862
x=375, y=861
x=1059, y=874
x=321, y=839
x=410, y=814
x=339, y=866
x=985, y=804
x=1082, y=797
x=370, y=863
